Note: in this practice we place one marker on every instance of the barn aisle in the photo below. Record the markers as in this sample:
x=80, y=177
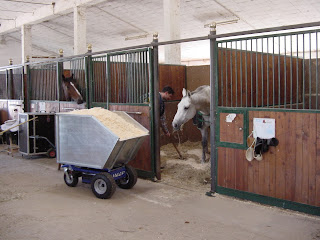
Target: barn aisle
x=35, y=203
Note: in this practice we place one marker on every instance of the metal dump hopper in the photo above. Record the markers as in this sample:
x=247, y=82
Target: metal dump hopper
x=82, y=140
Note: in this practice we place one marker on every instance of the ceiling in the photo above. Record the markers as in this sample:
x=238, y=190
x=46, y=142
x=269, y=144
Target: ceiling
x=110, y=22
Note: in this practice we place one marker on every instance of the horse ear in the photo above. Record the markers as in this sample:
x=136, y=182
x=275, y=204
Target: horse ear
x=189, y=93
x=72, y=75
x=184, y=92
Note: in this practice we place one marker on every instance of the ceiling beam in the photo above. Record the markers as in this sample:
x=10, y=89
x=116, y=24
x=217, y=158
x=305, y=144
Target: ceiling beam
x=45, y=13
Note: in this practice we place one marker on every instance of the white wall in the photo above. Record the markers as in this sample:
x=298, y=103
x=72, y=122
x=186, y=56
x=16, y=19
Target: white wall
x=11, y=49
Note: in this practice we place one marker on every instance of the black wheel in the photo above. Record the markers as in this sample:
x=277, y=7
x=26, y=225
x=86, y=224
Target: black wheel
x=70, y=178
x=103, y=185
x=51, y=153
x=129, y=180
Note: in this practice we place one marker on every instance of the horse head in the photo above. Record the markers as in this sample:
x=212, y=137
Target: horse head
x=70, y=90
x=186, y=110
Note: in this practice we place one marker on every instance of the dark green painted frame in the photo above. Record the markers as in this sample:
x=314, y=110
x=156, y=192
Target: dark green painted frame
x=252, y=196
x=245, y=128
x=141, y=173
x=270, y=201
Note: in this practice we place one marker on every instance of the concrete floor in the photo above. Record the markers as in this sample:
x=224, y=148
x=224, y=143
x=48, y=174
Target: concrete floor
x=35, y=203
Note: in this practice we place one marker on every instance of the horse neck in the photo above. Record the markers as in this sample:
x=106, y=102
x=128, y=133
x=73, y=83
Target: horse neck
x=201, y=103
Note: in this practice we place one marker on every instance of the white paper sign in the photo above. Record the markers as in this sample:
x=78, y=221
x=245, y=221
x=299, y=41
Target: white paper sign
x=264, y=128
x=42, y=106
x=230, y=117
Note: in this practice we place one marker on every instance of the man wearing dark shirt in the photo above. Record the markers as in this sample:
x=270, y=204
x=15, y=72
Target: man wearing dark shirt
x=164, y=95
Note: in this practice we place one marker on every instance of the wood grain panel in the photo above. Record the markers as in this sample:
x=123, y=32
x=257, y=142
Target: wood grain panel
x=173, y=76
x=311, y=156
x=280, y=155
x=257, y=79
x=318, y=163
x=299, y=157
x=222, y=167
x=142, y=160
x=289, y=171
x=230, y=131
x=305, y=167
x=250, y=164
x=290, y=157
x=270, y=158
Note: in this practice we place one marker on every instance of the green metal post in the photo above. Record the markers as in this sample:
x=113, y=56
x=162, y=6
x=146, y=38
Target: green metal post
x=213, y=104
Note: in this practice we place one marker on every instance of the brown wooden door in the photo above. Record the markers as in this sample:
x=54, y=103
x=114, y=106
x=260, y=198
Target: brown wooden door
x=143, y=161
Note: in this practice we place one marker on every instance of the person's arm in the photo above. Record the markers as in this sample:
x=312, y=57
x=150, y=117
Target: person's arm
x=163, y=124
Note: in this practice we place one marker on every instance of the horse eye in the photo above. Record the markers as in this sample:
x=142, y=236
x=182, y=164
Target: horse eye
x=186, y=108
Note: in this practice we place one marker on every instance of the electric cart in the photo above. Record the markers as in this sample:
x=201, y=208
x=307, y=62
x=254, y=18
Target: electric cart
x=88, y=149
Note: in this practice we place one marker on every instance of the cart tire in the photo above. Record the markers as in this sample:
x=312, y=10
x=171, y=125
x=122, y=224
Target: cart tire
x=130, y=180
x=103, y=185
x=51, y=153
x=73, y=179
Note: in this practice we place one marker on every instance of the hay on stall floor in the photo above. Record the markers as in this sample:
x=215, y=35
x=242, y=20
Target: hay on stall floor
x=186, y=173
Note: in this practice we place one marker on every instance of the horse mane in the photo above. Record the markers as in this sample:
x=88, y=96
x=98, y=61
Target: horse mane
x=200, y=95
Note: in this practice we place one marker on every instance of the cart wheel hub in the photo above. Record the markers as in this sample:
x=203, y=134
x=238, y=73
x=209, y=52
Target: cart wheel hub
x=100, y=186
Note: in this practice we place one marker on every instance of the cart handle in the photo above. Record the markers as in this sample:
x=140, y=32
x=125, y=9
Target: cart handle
x=1, y=133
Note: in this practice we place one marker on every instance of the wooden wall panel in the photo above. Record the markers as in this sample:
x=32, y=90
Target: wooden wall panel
x=173, y=76
x=317, y=159
x=290, y=171
x=197, y=76
x=253, y=79
x=142, y=160
x=231, y=132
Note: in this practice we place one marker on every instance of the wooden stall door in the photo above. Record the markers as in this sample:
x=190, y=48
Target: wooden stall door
x=143, y=161
x=232, y=129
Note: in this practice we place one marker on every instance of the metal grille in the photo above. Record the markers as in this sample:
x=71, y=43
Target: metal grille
x=43, y=81
x=17, y=91
x=129, y=77
x=11, y=83
x=3, y=84
x=99, y=79
x=77, y=67
x=278, y=71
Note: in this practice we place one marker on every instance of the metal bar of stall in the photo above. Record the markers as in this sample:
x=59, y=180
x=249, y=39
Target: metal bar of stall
x=273, y=75
x=246, y=73
x=285, y=73
x=262, y=79
x=317, y=80
x=213, y=104
x=291, y=69
x=303, y=78
x=268, y=81
x=222, y=79
x=117, y=67
x=236, y=72
x=128, y=72
x=279, y=80
x=231, y=76
x=297, y=69
x=257, y=82
x=135, y=79
x=156, y=110
x=251, y=66
x=310, y=73
x=140, y=93
x=241, y=104
x=122, y=77
x=226, y=75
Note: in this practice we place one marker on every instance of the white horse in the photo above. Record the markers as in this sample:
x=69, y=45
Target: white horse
x=190, y=104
